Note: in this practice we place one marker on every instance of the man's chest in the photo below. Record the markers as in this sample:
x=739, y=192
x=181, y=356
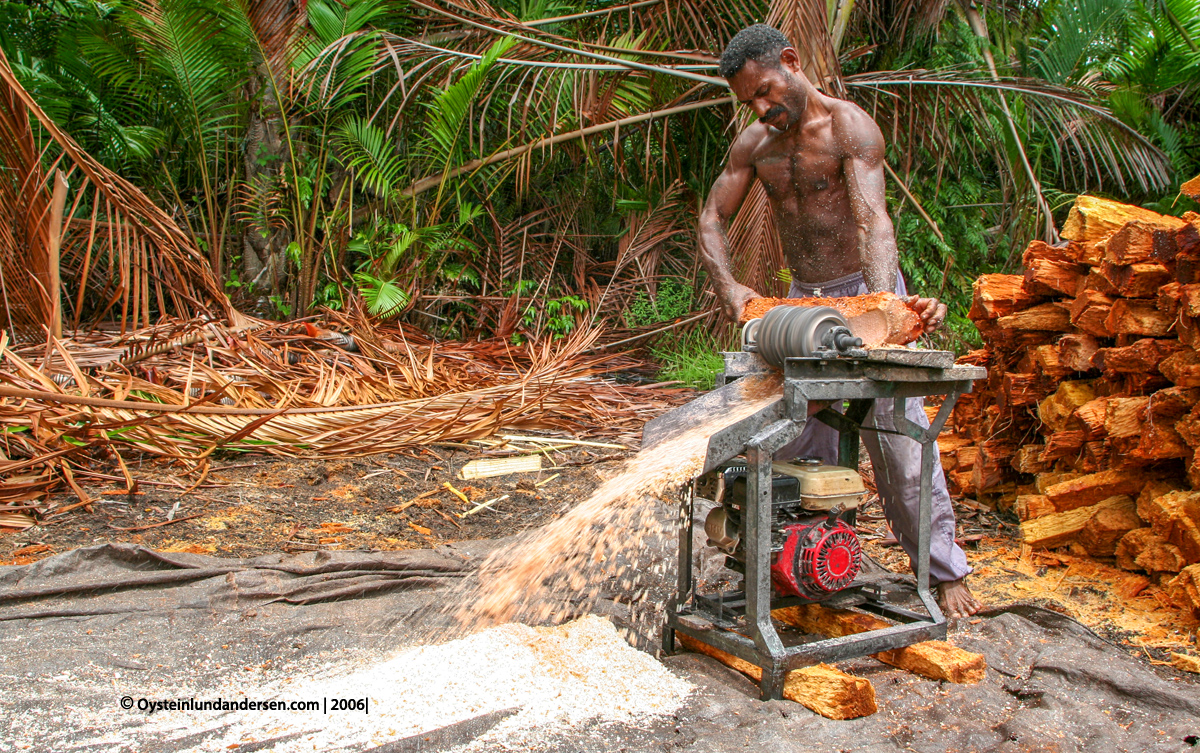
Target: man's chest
x=798, y=168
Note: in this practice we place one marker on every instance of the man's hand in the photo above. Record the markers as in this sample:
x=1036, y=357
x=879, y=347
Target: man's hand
x=931, y=310
x=734, y=299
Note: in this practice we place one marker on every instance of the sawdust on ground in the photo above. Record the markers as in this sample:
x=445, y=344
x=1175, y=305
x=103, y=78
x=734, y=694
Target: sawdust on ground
x=552, y=677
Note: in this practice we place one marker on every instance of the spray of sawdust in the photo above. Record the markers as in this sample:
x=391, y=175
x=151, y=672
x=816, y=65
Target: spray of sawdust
x=551, y=574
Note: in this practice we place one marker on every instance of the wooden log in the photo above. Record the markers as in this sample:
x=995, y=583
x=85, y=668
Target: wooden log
x=1041, y=251
x=1182, y=368
x=1184, y=590
x=1046, y=360
x=1089, y=312
x=1090, y=417
x=1094, y=456
x=993, y=464
x=963, y=481
x=937, y=660
x=1045, y=317
x=1093, y=219
x=1029, y=459
x=824, y=689
x=1144, y=241
x=1094, y=487
x=1099, y=536
x=1173, y=402
x=1046, y=480
x=1188, y=427
x=1169, y=296
x=1076, y=351
x=1176, y=517
x=1142, y=280
x=1160, y=441
x=1030, y=506
x=1187, y=267
x=1061, y=528
x=1096, y=282
x=997, y=295
x=967, y=456
x=1055, y=411
x=1124, y=416
x=1056, y=276
x=1137, y=316
x=1137, y=385
x=1191, y=188
x=1143, y=549
x=1019, y=390
x=1063, y=444
x=1143, y=356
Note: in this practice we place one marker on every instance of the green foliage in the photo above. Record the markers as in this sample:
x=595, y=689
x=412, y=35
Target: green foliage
x=672, y=301
x=693, y=358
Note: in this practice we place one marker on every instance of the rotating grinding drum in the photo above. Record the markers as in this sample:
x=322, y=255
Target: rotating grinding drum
x=798, y=331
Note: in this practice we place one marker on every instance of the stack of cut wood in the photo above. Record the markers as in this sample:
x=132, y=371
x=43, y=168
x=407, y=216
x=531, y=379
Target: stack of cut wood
x=1089, y=421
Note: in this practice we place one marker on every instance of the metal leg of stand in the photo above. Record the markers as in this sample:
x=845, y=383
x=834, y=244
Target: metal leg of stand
x=925, y=526
x=757, y=525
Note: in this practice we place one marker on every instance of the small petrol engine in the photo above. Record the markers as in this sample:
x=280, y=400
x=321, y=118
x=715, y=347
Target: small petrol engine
x=815, y=552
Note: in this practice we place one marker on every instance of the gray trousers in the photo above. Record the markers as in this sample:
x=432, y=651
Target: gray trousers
x=895, y=459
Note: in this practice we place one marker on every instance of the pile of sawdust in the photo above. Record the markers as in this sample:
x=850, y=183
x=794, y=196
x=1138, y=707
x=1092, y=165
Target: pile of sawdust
x=572, y=674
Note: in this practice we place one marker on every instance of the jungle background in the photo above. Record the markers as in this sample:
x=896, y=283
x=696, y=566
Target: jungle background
x=527, y=168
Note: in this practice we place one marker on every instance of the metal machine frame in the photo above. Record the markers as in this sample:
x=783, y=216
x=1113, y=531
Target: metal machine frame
x=886, y=374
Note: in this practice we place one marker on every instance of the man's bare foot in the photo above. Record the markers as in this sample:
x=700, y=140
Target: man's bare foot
x=956, y=600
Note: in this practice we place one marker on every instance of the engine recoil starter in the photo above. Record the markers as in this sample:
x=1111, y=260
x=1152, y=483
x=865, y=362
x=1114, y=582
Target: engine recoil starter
x=818, y=559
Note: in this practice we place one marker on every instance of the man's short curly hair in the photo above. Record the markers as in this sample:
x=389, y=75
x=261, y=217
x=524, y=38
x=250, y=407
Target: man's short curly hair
x=760, y=43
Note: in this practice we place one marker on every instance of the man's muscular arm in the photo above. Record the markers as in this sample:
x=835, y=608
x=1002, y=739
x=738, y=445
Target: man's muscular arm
x=726, y=196
x=862, y=144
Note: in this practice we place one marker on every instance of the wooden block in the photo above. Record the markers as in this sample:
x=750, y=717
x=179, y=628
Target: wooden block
x=1094, y=487
x=1143, y=549
x=1101, y=533
x=1143, y=356
x=824, y=689
x=1062, y=444
x=1061, y=528
x=937, y=660
x=1093, y=219
x=1176, y=517
x=1029, y=459
x=1076, y=351
x=1056, y=410
x=1185, y=662
x=1160, y=441
x=1182, y=368
x=1189, y=427
x=1169, y=296
x=1090, y=417
x=997, y=295
x=1144, y=241
x=1096, y=282
x=1019, y=390
x=949, y=442
x=1137, y=316
x=1187, y=267
x=1046, y=480
x=1184, y=590
x=1089, y=312
x=1045, y=317
x=488, y=467
x=1030, y=506
x=1142, y=280
x=1124, y=416
x=1191, y=188
x=1060, y=276
x=1042, y=251
x=1046, y=361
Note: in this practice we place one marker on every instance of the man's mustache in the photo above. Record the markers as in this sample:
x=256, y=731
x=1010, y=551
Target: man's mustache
x=774, y=112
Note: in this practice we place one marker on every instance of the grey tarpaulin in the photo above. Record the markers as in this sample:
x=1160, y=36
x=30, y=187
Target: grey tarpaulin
x=166, y=619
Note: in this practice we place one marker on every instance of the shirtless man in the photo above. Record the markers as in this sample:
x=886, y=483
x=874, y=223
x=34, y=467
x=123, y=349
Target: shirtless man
x=820, y=160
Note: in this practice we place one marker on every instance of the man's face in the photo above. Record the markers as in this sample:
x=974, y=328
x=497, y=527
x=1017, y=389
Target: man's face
x=772, y=92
